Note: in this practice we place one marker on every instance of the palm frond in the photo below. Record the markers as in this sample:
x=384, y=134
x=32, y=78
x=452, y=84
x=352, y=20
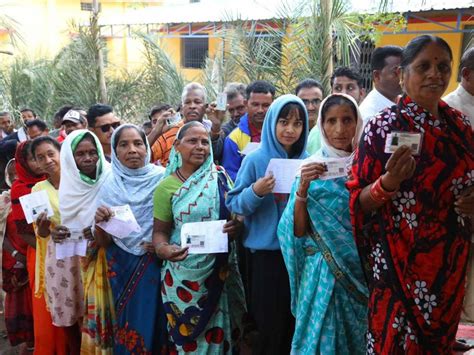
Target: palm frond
x=162, y=81
x=26, y=83
x=12, y=26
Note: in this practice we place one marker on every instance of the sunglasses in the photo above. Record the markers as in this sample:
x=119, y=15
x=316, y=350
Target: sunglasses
x=106, y=127
x=315, y=102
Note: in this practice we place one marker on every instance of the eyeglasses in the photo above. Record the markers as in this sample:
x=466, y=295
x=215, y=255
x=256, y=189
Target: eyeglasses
x=315, y=102
x=106, y=127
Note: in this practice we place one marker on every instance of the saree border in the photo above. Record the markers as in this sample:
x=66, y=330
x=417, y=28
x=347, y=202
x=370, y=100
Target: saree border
x=337, y=272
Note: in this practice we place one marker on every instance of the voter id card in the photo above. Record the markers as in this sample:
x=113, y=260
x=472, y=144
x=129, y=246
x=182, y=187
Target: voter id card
x=335, y=169
x=121, y=212
x=174, y=120
x=76, y=233
x=397, y=139
x=221, y=102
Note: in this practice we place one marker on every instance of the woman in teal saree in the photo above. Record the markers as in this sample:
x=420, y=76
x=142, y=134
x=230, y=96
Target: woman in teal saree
x=328, y=291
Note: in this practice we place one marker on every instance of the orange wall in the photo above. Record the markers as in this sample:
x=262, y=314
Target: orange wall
x=454, y=40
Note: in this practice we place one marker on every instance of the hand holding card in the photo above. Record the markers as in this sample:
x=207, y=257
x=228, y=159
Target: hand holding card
x=122, y=222
x=34, y=204
x=400, y=167
x=221, y=102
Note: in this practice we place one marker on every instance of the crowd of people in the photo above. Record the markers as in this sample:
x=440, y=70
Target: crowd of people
x=375, y=260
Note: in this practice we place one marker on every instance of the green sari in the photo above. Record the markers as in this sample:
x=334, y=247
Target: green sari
x=203, y=295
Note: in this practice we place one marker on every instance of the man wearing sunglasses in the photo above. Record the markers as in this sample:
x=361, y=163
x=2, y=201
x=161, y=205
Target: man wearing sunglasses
x=310, y=91
x=102, y=121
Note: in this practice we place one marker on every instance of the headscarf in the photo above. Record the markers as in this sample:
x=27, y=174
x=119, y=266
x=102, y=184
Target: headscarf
x=327, y=150
x=134, y=187
x=269, y=146
x=77, y=192
x=8, y=180
x=16, y=223
x=22, y=185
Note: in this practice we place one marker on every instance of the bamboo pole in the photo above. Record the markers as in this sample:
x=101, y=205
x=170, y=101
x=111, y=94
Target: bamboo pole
x=328, y=53
x=99, y=55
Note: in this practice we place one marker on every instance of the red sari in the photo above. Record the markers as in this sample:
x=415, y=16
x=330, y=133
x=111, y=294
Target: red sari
x=48, y=339
x=18, y=308
x=415, y=247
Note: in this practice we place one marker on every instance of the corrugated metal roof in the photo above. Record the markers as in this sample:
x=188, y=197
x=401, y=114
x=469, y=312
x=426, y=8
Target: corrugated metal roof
x=414, y=5
x=205, y=11
x=181, y=11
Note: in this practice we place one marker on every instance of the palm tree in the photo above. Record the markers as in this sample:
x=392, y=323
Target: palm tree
x=308, y=40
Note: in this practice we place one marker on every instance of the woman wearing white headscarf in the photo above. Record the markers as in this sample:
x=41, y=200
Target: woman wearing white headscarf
x=328, y=291
x=134, y=271
x=84, y=170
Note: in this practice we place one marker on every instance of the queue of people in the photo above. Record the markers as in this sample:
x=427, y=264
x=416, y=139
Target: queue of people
x=373, y=260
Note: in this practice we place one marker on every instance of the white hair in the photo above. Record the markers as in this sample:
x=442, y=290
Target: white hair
x=191, y=87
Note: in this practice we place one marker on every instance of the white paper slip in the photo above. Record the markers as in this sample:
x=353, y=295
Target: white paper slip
x=221, y=102
x=70, y=248
x=204, y=237
x=284, y=171
x=250, y=147
x=395, y=140
x=122, y=223
x=35, y=203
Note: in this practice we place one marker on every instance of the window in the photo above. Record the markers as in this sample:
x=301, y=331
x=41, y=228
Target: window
x=194, y=52
x=366, y=48
x=468, y=38
x=269, y=46
x=467, y=42
x=87, y=6
x=360, y=58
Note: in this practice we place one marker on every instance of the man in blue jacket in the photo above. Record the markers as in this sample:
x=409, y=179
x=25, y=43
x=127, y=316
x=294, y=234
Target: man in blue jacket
x=260, y=95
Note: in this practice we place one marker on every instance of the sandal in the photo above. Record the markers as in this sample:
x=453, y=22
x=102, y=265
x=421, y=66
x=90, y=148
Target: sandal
x=462, y=345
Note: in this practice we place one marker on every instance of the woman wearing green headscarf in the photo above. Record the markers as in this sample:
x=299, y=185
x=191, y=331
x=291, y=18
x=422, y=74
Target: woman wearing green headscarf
x=83, y=172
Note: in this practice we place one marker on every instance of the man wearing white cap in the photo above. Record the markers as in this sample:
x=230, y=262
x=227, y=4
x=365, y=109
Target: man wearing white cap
x=73, y=120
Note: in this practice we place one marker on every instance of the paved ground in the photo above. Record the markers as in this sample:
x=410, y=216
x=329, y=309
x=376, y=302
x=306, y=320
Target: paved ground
x=465, y=331
x=5, y=348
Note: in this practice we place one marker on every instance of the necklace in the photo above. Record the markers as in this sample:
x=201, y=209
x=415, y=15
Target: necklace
x=180, y=176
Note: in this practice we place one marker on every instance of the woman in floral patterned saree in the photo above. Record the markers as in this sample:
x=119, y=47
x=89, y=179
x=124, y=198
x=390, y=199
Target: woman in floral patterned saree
x=410, y=212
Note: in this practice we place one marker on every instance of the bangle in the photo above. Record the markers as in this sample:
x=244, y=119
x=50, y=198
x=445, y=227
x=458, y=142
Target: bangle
x=299, y=198
x=378, y=193
x=14, y=253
